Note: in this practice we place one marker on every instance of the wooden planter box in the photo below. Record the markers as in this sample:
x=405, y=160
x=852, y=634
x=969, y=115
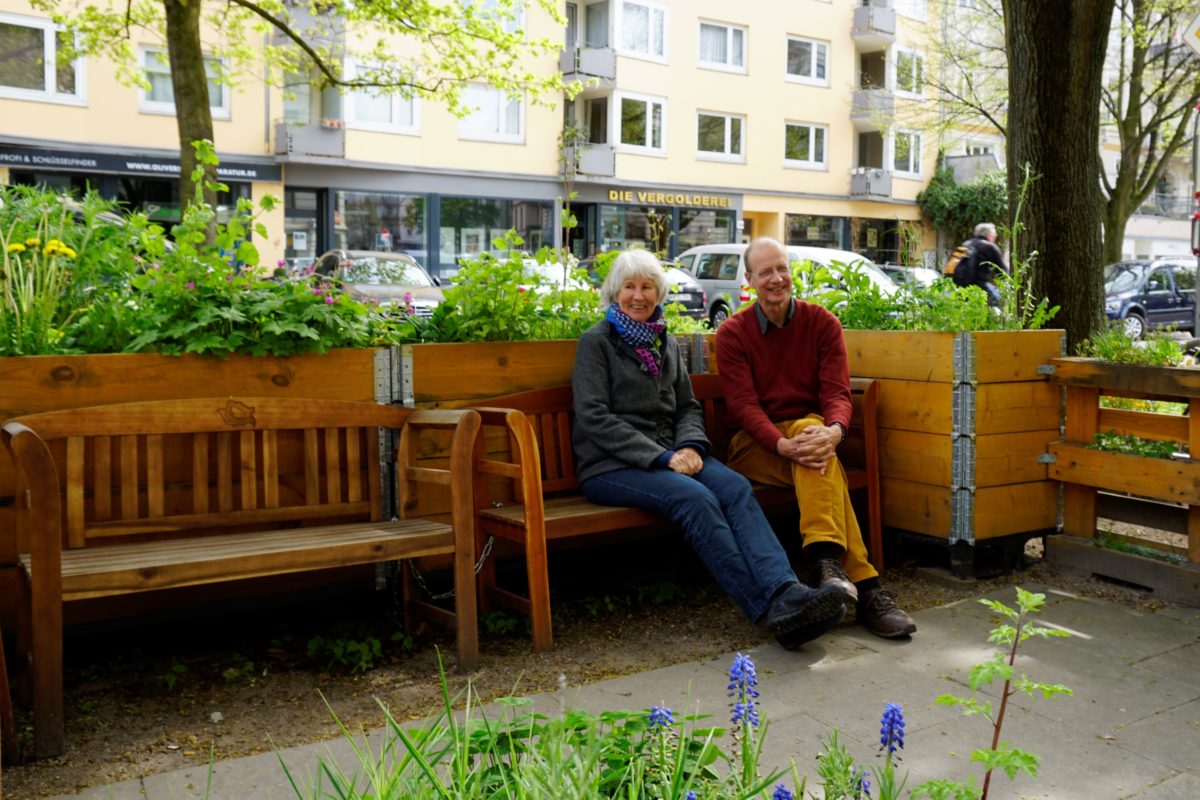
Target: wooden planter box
x=964, y=419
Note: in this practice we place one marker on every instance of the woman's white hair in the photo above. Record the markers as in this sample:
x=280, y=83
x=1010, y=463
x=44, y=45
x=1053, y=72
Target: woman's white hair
x=634, y=264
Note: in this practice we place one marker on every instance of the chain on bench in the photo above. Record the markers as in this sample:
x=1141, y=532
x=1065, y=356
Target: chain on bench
x=420, y=579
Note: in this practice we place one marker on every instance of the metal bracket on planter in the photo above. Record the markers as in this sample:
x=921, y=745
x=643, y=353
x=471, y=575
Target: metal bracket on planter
x=962, y=441
x=963, y=411
x=962, y=467
x=962, y=516
x=964, y=359
x=1046, y=369
x=698, y=355
x=405, y=383
x=1047, y=458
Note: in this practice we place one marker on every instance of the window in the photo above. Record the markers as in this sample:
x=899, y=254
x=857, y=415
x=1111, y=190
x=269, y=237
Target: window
x=807, y=61
x=497, y=117
x=160, y=97
x=642, y=121
x=906, y=152
x=511, y=21
x=979, y=148
x=29, y=67
x=1185, y=278
x=643, y=30
x=722, y=46
x=376, y=110
x=804, y=145
x=720, y=136
x=910, y=8
x=910, y=72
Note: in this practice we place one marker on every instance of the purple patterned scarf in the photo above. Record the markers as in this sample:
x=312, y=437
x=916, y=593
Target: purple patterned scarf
x=643, y=337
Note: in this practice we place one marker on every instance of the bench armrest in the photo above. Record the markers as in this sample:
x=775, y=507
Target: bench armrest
x=523, y=466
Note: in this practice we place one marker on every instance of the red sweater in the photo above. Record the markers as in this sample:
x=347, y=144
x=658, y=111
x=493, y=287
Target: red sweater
x=786, y=373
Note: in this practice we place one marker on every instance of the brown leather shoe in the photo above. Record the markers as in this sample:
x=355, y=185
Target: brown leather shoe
x=878, y=613
x=830, y=573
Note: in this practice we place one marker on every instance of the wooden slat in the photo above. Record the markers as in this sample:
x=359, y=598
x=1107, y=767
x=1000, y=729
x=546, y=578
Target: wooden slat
x=1015, y=508
x=374, y=477
x=1157, y=478
x=566, y=461
x=248, y=458
x=1015, y=407
x=472, y=372
x=1193, y=442
x=224, y=471
x=270, y=469
x=354, y=491
x=102, y=477
x=1004, y=356
x=550, y=446
x=900, y=354
x=312, y=468
x=200, y=492
x=129, y=477
x=428, y=475
x=154, y=475
x=75, y=491
x=1146, y=425
x=219, y=519
x=1179, y=382
x=1082, y=424
x=333, y=466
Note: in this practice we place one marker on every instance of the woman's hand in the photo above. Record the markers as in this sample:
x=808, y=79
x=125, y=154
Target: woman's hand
x=686, y=461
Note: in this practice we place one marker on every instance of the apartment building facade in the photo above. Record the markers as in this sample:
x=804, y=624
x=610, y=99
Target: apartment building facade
x=699, y=122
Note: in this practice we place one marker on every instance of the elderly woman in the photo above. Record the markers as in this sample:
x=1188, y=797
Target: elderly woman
x=640, y=441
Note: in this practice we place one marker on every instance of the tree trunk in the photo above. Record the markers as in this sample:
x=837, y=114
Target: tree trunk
x=1116, y=216
x=193, y=116
x=1056, y=52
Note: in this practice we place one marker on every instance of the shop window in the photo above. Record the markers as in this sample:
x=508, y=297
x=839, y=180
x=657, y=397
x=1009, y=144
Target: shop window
x=497, y=117
x=906, y=152
x=804, y=146
x=816, y=231
x=380, y=221
x=642, y=121
x=910, y=72
x=807, y=61
x=159, y=98
x=723, y=46
x=699, y=226
x=303, y=210
x=158, y=198
x=721, y=136
x=624, y=227
x=29, y=68
x=643, y=30
x=472, y=225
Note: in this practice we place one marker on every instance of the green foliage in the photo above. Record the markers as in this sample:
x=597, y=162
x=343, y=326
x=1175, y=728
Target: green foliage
x=173, y=675
x=1114, y=344
x=837, y=771
x=1015, y=629
x=1142, y=404
x=500, y=623
x=356, y=655
x=1114, y=442
x=955, y=209
x=1111, y=541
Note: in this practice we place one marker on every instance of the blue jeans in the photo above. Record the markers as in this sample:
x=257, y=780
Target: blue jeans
x=720, y=519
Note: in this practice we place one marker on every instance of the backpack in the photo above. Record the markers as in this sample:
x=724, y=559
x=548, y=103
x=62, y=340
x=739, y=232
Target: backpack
x=961, y=266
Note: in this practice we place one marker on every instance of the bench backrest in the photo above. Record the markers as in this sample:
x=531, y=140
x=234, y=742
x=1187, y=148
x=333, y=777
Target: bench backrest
x=156, y=468
x=549, y=415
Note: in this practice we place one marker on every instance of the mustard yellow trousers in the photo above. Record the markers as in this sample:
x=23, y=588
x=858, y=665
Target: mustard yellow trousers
x=825, y=511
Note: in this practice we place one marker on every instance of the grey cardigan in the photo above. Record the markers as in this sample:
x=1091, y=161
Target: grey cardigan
x=624, y=416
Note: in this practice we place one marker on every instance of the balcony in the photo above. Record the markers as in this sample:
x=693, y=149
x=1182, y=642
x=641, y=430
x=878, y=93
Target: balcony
x=583, y=63
x=597, y=160
x=1167, y=204
x=872, y=108
x=874, y=27
x=327, y=138
x=870, y=183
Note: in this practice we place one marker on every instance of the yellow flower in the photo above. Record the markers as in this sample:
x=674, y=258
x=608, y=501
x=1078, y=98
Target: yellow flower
x=56, y=248
x=32, y=242
x=16, y=248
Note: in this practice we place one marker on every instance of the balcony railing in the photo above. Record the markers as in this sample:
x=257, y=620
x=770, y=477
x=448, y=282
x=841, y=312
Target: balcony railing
x=327, y=138
x=588, y=62
x=874, y=27
x=870, y=183
x=595, y=159
x=1167, y=204
x=872, y=108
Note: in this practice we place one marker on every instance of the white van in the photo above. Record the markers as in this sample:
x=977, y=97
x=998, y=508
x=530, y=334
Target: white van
x=721, y=270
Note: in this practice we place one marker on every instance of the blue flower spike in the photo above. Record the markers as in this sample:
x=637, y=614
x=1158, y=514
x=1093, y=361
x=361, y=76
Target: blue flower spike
x=782, y=793
x=690, y=796
x=661, y=717
x=891, y=728
x=862, y=787
x=742, y=682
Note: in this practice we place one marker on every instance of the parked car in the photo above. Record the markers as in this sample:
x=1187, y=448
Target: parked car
x=682, y=288
x=918, y=277
x=721, y=270
x=382, y=278
x=1154, y=293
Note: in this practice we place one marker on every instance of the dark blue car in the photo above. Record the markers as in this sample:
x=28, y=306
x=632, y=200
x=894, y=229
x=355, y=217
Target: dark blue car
x=1149, y=294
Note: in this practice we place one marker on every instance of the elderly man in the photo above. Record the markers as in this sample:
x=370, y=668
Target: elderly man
x=786, y=379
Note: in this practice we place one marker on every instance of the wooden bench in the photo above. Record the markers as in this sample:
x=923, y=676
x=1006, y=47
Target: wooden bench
x=139, y=496
x=544, y=502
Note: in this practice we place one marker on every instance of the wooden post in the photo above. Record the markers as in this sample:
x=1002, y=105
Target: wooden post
x=1083, y=422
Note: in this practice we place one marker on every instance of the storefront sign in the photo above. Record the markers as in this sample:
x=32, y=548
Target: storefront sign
x=63, y=160
x=669, y=198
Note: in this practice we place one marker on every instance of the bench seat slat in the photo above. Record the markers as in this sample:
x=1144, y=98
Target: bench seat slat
x=184, y=522
x=97, y=571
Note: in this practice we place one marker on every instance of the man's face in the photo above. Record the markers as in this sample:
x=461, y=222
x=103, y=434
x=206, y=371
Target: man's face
x=770, y=274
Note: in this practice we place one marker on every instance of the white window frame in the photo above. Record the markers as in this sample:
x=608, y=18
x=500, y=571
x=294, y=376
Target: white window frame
x=49, y=93
x=913, y=9
x=918, y=139
x=728, y=155
x=814, y=80
x=615, y=124
x=619, y=30
x=729, y=30
x=500, y=136
x=918, y=56
x=351, y=110
x=488, y=8
x=809, y=164
x=148, y=106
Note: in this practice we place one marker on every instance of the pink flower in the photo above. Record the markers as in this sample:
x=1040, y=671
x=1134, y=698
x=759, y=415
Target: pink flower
x=281, y=263
x=330, y=300
x=191, y=285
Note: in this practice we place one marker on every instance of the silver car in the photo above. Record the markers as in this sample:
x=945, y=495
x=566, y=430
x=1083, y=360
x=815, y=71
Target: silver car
x=388, y=280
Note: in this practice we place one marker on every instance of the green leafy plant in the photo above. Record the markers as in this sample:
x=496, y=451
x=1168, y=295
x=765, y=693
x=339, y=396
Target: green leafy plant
x=356, y=655
x=1114, y=344
x=499, y=623
x=1121, y=544
x=1114, y=442
x=172, y=675
x=1002, y=666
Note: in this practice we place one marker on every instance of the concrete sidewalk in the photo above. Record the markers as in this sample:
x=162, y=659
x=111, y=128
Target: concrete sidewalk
x=1131, y=730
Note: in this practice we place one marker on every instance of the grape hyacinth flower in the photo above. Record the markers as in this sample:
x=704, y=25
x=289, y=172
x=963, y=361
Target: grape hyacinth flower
x=742, y=682
x=661, y=716
x=690, y=796
x=782, y=793
x=891, y=728
x=862, y=785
